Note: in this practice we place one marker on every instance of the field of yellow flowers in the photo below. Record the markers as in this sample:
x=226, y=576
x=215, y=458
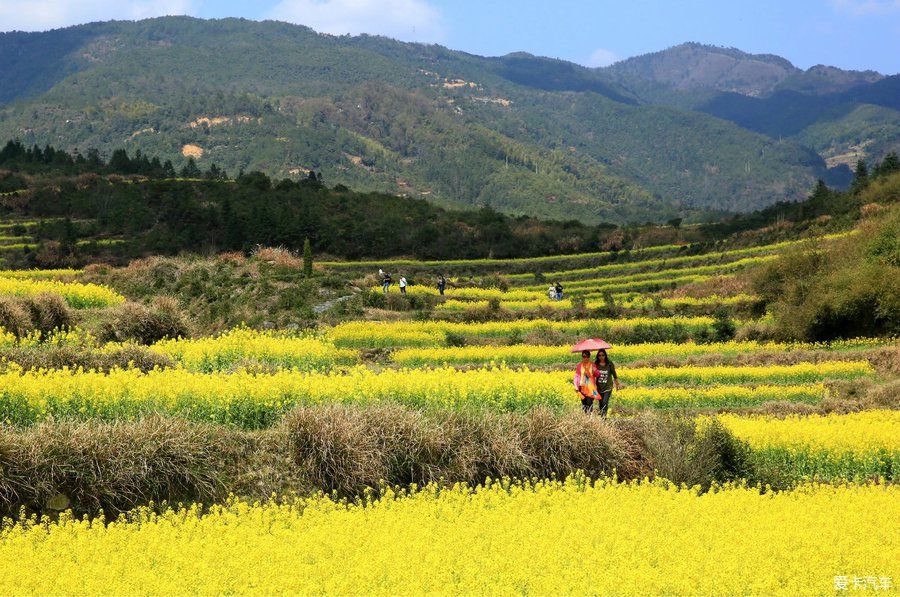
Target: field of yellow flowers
x=549, y=537
x=250, y=399
x=797, y=415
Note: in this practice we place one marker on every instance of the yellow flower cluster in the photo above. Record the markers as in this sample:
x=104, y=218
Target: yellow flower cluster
x=836, y=433
x=39, y=274
x=797, y=373
x=545, y=538
x=628, y=300
x=512, y=305
x=637, y=301
x=242, y=346
x=433, y=333
x=536, y=355
x=76, y=294
x=717, y=396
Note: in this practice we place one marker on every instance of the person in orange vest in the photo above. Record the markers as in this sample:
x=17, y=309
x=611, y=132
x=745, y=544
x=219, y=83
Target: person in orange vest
x=585, y=382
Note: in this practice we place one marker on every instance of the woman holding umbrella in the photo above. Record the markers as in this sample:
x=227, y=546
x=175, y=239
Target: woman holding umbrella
x=586, y=372
x=606, y=378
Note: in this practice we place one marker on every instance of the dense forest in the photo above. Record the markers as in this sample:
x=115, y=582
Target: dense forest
x=61, y=208
x=132, y=206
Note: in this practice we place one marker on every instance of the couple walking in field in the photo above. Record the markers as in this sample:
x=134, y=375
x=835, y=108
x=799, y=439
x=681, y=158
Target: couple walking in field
x=594, y=380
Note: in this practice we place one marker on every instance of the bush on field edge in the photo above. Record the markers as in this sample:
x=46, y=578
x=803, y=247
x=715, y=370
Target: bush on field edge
x=111, y=467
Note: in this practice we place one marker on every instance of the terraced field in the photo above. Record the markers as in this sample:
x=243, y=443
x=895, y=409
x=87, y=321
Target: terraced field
x=475, y=384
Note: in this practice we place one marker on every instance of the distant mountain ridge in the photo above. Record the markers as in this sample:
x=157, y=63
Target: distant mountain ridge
x=693, y=66
x=521, y=133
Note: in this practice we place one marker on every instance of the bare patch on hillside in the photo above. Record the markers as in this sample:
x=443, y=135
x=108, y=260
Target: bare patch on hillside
x=211, y=121
x=192, y=151
x=846, y=155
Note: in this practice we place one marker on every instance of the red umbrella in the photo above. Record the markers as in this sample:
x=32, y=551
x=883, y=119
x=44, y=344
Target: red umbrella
x=591, y=344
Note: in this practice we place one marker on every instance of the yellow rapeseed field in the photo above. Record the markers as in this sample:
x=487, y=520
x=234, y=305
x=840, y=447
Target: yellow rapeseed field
x=529, y=354
x=837, y=433
x=243, y=345
x=433, y=333
x=76, y=294
x=548, y=538
x=252, y=400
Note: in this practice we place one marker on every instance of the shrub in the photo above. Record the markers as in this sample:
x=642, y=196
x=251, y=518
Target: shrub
x=142, y=324
x=396, y=302
x=454, y=339
x=347, y=450
x=48, y=312
x=695, y=455
x=849, y=290
x=373, y=299
x=14, y=317
x=74, y=357
x=113, y=467
x=723, y=327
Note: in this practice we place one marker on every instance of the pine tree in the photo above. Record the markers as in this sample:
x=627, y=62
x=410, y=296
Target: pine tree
x=889, y=165
x=860, y=176
x=307, y=258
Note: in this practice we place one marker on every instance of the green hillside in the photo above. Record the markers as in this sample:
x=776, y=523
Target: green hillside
x=841, y=115
x=523, y=134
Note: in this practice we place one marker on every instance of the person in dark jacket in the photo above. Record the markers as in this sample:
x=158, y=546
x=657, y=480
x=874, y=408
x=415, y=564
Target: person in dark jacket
x=607, y=378
x=442, y=284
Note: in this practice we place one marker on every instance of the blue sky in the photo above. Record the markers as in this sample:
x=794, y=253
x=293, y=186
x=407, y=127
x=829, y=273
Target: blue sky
x=846, y=33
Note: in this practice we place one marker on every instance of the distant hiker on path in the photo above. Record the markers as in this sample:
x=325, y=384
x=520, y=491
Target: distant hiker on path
x=585, y=382
x=442, y=284
x=385, y=282
x=402, y=285
x=606, y=378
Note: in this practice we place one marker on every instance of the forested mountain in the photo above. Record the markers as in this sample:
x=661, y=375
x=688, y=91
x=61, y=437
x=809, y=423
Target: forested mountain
x=842, y=115
x=522, y=134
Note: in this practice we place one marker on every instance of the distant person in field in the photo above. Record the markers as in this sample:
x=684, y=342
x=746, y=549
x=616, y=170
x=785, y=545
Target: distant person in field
x=402, y=284
x=606, y=379
x=386, y=282
x=442, y=284
x=551, y=292
x=559, y=291
x=585, y=382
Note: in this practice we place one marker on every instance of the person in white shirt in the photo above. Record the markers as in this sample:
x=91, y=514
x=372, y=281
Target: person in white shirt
x=402, y=284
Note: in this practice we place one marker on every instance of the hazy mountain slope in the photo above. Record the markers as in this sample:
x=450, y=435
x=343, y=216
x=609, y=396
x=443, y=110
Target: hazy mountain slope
x=692, y=66
x=836, y=112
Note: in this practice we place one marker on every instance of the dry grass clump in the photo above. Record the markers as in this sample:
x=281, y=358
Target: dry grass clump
x=717, y=285
x=684, y=452
x=345, y=449
x=43, y=312
x=113, y=467
x=72, y=357
x=14, y=318
x=48, y=312
x=279, y=256
x=136, y=322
